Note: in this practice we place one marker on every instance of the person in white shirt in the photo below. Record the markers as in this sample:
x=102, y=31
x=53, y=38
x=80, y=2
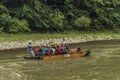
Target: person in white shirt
x=64, y=46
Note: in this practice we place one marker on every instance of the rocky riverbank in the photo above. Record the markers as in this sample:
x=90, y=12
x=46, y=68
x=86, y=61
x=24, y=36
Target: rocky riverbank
x=15, y=44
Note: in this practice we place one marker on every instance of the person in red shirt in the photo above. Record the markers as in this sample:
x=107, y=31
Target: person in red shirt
x=51, y=51
x=59, y=49
x=37, y=50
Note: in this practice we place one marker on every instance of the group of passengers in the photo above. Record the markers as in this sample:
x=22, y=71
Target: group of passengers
x=48, y=49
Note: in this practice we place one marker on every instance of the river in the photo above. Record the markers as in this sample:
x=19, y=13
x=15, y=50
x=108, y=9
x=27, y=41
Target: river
x=103, y=64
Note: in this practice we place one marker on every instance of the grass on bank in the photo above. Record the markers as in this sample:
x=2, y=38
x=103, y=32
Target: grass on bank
x=37, y=36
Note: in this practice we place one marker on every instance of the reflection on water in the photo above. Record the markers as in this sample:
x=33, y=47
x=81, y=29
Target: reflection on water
x=103, y=64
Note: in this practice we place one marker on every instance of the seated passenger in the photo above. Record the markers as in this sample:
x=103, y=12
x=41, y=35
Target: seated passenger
x=60, y=50
x=43, y=50
x=53, y=50
x=37, y=50
x=50, y=51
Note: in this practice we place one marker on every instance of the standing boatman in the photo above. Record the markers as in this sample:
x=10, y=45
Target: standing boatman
x=64, y=43
x=30, y=50
x=64, y=46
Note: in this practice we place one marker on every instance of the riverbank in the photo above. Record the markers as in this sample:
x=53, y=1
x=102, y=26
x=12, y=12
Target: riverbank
x=11, y=41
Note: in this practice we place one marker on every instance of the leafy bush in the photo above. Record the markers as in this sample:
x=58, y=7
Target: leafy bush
x=3, y=9
x=19, y=26
x=57, y=19
x=82, y=22
x=13, y=25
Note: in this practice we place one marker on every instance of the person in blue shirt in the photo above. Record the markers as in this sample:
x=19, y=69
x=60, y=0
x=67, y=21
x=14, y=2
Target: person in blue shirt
x=44, y=50
x=30, y=50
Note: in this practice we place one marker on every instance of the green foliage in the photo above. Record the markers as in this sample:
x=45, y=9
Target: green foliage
x=3, y=9
x=12, y=25
x=48, y=15
x=19, y=26
x=57, y=19
x=82, y=22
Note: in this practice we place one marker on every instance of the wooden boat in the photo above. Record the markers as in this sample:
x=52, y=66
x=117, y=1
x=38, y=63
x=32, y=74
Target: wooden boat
x=62, y=56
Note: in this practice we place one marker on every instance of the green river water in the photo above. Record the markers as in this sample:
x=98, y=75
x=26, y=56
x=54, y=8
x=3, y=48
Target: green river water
x=103, y=64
